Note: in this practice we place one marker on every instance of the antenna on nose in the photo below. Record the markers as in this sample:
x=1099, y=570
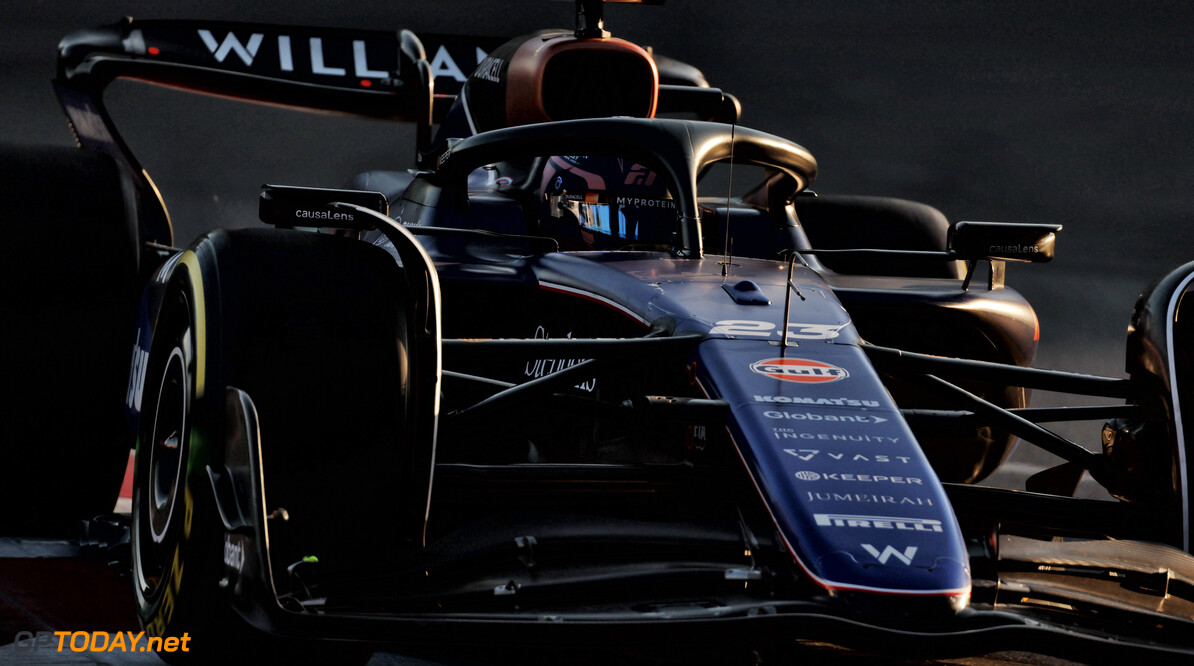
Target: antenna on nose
x=590, y=19
x=590, y=16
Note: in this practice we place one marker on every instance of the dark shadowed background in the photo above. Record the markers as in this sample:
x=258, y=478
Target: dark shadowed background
x=1075, y=113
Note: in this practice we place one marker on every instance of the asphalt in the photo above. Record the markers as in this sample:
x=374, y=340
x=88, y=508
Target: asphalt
x=1061, y=112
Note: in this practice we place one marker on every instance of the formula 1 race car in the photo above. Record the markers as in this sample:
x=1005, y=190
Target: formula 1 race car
x=558, y=389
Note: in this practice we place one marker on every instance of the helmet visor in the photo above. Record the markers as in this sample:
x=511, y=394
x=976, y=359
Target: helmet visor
x=625, y=218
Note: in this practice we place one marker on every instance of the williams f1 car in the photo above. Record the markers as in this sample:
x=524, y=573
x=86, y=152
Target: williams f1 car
x=559, y=385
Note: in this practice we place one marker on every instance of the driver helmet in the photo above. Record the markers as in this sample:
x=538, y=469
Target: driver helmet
x=606, y=203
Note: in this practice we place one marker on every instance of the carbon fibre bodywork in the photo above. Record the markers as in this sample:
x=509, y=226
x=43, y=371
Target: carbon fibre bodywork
x=640, y=445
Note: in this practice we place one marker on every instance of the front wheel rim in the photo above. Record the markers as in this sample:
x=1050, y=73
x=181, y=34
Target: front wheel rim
x=166, y=445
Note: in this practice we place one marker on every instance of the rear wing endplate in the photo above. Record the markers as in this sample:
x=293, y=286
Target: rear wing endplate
x=366, y=73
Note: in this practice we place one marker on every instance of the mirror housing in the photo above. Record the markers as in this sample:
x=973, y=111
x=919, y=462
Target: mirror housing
x=287, y=207
x=1004, y=241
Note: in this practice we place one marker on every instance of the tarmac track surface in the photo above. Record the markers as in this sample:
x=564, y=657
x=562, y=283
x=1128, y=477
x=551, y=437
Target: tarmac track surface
x=1070, y=113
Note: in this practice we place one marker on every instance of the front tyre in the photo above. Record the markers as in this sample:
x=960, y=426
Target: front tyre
x=169, y=566
x=313, y=329
x=176, y=532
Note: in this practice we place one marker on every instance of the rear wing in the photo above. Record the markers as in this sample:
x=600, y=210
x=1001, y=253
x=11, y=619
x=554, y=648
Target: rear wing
x=384, y=75
x=366, y=73
x=375, y=74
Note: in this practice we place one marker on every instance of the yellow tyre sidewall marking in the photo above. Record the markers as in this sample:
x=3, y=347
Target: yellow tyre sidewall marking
x=191, y=261
x=165, y=614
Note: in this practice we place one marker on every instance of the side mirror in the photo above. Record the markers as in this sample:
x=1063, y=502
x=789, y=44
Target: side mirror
x=287, y=207
x=1004, y=241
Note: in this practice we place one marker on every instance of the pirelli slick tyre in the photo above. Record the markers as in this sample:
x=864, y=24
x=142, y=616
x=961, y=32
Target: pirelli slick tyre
x=311, y=328
x=68, y=282
x=1154, y=452
x=171, y=528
